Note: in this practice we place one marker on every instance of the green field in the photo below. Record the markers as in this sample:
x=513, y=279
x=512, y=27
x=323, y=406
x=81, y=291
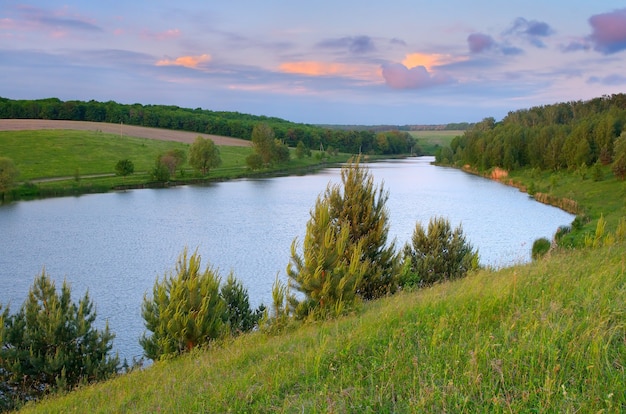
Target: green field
x=58, y=153
x=431, y=141
x=61, y=162
x=544, y=337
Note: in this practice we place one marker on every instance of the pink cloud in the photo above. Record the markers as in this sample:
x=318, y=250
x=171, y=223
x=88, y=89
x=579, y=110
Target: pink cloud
x=479, y=42
x=192, y=62
x=609, y=31
x=317, y=68
x=398, y=76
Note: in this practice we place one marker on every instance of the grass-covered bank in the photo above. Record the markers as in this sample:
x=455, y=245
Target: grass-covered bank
x=544, y=337
x=580, y=193
x=69, y=162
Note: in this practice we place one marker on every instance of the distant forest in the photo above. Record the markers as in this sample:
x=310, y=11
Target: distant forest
x=231, y=124
x=564, y=135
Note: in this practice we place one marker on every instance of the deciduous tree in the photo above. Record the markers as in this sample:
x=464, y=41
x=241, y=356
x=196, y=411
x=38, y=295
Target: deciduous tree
x=204, y=155
x=263, y=141
x=173, y=159
x=124, y=167
x=619, y=162
x=8, y=175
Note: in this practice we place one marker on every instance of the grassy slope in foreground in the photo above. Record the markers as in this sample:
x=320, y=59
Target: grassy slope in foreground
x=549, y=336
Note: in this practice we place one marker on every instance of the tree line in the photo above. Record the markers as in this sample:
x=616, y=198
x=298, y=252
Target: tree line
x=566, y=135
x=231, y=124
x=51, y=344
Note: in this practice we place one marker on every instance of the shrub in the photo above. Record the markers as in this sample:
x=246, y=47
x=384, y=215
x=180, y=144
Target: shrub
x=124, y=167
x=254, y=161
x=540, y=248
x=437, y=255
x=239, y=315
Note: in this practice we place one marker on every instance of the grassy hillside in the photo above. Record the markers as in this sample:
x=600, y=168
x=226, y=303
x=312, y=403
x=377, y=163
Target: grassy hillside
x=61, y=162
x=544, y=337
x=603, y=196
x=58, y=153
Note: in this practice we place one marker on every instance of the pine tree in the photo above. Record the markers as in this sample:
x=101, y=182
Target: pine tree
x=437, y=255
x=186, y=310
x=51, y=345
x=360, y=205
x=239, y=315
x=330, y=270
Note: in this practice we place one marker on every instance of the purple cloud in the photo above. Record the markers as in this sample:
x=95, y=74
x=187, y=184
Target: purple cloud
x=479, y=42
x=611, y=80
x=396, y=41
x=72, y=24
x=512, y=51
x=609, y=31
x=59, y=20
x=531, y=30
x=575, y=46
x=398, y=76
x=357, y=44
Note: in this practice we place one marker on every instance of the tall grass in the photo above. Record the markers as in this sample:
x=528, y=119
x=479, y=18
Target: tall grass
x=544, y=337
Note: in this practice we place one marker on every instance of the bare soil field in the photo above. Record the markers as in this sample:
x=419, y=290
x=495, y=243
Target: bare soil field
x=119, y=129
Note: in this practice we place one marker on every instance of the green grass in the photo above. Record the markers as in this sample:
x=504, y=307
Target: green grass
x=544, y=337
x=58, y=153
x=431, y=141
x=84, y=161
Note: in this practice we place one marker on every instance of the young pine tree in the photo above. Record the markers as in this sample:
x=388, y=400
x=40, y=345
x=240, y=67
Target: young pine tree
x=51, y=345
x=330, y=269
x=437, y=255
x=239, y=315
x=359, y=205
x=186, y=310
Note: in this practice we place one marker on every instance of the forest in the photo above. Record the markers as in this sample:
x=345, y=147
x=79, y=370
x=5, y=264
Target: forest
x=570, y=135
x=230, y=124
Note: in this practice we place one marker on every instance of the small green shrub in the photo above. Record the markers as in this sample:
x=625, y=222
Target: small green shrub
x=541, y=247
x=437, y=255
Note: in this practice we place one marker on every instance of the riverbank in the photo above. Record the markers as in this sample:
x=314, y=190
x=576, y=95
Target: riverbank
x=590, y=198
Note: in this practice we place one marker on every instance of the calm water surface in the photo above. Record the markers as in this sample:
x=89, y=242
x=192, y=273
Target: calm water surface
x=117, y=244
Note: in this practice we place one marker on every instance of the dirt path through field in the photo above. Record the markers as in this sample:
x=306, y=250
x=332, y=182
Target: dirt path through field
x=119, y=129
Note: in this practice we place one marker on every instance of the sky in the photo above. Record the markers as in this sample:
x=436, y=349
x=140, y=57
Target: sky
x=397, y=62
